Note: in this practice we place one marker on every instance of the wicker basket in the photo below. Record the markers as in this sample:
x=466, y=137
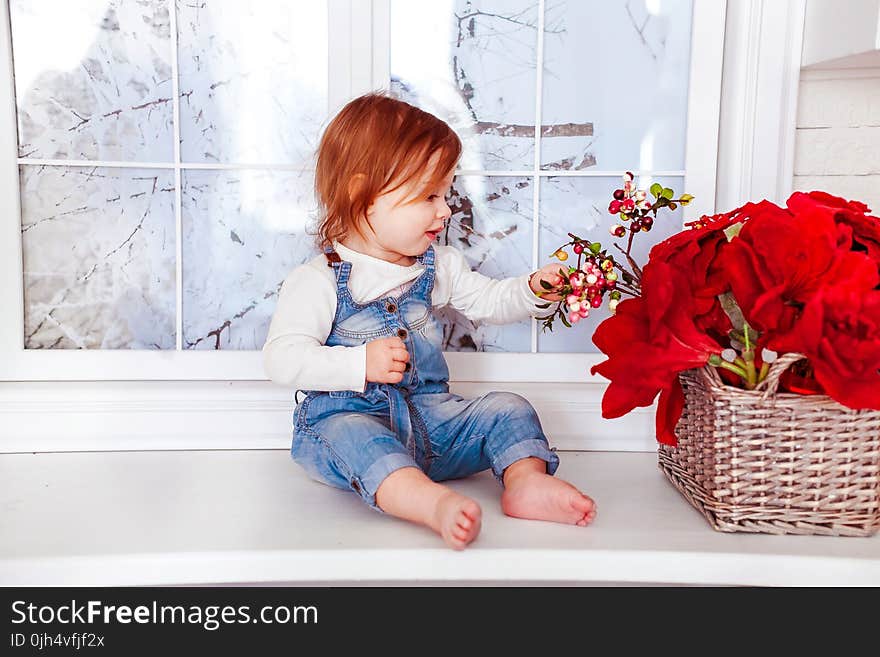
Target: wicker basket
x=758, y=461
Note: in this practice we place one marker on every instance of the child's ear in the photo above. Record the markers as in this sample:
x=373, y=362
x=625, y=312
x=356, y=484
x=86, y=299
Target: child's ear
x=355, y=185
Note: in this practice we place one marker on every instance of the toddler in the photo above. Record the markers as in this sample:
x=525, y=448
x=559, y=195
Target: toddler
x=354, y=329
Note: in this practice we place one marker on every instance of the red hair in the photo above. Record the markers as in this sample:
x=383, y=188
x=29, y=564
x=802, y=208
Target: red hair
x=375, y=145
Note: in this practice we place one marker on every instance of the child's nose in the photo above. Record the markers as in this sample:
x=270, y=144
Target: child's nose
x=444, y=211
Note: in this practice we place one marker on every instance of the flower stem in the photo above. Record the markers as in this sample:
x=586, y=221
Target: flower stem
x=733, y=368
x=765, y=367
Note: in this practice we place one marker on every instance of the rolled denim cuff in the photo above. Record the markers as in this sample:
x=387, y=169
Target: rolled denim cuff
x=524, y=449
x=367, y=485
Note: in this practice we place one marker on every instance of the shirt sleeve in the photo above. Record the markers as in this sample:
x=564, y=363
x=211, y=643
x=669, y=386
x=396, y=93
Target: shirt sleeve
x=294, y=353
x=480, y=298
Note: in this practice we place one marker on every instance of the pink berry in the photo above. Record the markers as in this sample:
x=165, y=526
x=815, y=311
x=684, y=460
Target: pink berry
x=574, y=318
x=628, y=205
x=618, y=194
x=578, y=248
x=614, y=207
x=596, y=302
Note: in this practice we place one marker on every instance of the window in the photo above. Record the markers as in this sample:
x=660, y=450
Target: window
x=164, y=161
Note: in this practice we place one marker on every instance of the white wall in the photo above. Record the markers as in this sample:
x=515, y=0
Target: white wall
x=837, y=144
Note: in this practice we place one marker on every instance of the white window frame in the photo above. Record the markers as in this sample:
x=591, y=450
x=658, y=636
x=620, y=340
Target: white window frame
x=358, y=62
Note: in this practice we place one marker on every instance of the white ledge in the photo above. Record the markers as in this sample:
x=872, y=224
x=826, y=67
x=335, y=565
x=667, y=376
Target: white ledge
x=253, y=517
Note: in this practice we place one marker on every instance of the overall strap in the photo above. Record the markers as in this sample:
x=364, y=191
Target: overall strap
x=427, y=260
x=341, y=267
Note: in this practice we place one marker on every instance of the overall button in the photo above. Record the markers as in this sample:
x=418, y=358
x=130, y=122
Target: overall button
x=406, y=368
x=391, y=308
x=401, y=333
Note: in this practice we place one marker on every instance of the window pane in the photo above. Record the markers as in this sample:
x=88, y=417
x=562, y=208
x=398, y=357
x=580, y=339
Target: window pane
x=472, y=63
x=99, y=250
x=580, y=205
x=253, y=80
x=243, y=231
x=615, y=84
x=93, y=79
x=492, y=225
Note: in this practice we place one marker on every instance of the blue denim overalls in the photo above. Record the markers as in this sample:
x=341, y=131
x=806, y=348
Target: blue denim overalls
x=353, y=440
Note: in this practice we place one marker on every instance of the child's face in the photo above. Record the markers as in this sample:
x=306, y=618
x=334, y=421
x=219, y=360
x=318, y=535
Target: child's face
x=406, y=220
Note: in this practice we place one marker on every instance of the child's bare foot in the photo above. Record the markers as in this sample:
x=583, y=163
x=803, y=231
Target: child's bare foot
x=408, y=493
x=539, y=496
x=457, y=519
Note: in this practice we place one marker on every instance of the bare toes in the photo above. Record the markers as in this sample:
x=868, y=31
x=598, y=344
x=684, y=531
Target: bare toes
x=582, y=503
x=471, y=510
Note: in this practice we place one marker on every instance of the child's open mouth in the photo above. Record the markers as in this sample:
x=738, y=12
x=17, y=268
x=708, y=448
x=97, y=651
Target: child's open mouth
x=432, y=234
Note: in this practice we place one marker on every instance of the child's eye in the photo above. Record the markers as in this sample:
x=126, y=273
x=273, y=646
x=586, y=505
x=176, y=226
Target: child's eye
x=432, y=197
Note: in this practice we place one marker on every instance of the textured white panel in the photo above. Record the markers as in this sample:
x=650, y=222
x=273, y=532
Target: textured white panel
x=99, y=251
x=253, y=80
x=93, y=79
x=474, y=67
x=620, y=69
x=492, y=225
x=243, y=231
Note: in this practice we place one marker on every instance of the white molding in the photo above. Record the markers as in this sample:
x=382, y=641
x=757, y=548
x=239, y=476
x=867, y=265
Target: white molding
x=536, y=163
x=361, y=47
x=339, y=54
x=381, y=59
x=762, y=51
x=11, y=267
x=704, y=107
x=202, y=365
x=178, y=180
x=835, y=30
x=163, y=415
x=812, y=74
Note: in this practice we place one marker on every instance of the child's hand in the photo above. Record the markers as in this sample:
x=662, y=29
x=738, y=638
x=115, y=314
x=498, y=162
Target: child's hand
x=387, y=360
x=549, y=273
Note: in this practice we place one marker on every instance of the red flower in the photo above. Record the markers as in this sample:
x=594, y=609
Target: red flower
x=840, y=334
x=779, y=260
x=694, y=251
x=648, y=342
x=833, y=203
x=865, y=229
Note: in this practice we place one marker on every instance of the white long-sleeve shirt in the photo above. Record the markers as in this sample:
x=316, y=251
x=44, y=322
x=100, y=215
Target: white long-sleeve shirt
x=294, y=353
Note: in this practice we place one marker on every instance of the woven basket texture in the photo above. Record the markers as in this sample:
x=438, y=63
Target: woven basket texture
x=777, y=463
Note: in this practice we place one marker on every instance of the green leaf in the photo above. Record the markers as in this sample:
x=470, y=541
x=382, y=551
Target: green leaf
x=542, y=305
x=595, y=247
x=546, y=285
x=564, y=321
x=685, y=199
x=656, y=189
x=667, y=193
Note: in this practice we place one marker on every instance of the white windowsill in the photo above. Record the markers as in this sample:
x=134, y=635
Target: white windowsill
x=252, y=516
